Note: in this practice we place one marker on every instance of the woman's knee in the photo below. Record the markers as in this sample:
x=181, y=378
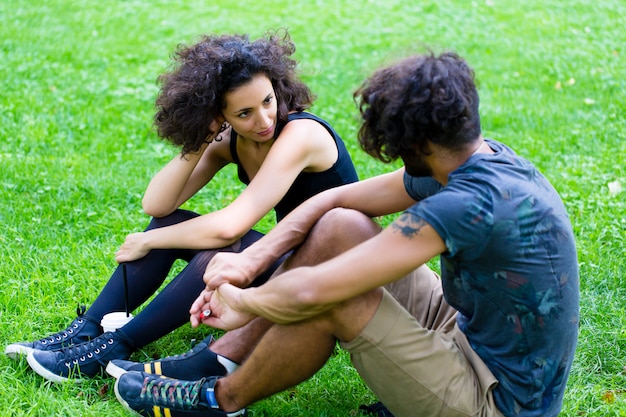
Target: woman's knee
x=176, y=217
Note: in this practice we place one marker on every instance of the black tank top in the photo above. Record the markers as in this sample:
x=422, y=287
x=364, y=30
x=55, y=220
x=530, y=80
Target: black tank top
x=306, y=184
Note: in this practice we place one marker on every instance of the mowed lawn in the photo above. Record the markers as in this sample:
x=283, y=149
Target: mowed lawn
x=77, y=149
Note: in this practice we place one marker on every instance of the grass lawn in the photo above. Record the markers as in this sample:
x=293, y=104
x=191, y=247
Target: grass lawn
x=77, y=151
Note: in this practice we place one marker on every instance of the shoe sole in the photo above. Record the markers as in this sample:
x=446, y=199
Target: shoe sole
x=15, y=352
x=121, y=399
x=46, y=373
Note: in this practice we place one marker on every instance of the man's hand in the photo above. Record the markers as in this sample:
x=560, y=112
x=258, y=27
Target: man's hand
x=221, y=303
x=134, y=247
x=228, y=268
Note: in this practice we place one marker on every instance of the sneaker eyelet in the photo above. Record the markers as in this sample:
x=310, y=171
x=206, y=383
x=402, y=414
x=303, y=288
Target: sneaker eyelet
x=44, y=342
x=110, y=341
x=90, y=355
x=97, y=351
x=103, y=346
x=58, y=338
x=75, y=361
x=82, y=358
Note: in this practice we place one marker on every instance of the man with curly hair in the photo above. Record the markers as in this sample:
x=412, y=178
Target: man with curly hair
x=493, y=335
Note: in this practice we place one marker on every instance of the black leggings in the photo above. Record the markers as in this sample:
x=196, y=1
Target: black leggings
x=170, y=308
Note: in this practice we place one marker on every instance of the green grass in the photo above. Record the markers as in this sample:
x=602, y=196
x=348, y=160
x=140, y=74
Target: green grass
x=77, y=85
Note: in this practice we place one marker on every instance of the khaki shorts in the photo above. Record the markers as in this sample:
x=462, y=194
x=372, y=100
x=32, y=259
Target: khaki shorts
x=420, y=363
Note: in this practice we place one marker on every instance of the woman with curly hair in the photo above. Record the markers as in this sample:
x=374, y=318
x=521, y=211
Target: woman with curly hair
x=227, y=100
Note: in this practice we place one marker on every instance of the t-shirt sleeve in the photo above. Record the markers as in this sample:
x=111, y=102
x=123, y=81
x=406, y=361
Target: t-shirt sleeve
x=462, y=218
x=420, y=188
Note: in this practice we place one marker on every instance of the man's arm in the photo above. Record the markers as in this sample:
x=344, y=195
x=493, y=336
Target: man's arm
x=376, y=196
x=305, y=292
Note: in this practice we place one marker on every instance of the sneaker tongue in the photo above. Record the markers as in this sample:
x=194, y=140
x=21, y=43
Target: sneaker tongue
x=199, y=347
x=209, y=396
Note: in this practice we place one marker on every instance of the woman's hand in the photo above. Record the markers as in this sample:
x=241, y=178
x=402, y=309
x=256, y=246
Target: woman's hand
x=134, y=247
x=221, y=305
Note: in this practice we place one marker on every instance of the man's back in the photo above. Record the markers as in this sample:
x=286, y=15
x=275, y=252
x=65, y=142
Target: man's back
x=512, y=273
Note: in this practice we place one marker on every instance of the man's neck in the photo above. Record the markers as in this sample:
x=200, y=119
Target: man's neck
x=443, y=162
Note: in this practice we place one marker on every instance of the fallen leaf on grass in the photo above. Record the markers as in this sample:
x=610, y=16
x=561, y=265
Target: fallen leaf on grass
x=615, y=187
x=608, y=397
x=104, y=389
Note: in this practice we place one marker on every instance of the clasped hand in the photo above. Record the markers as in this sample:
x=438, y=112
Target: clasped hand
x=224, y=275
x=223, y=303
x=231, y=268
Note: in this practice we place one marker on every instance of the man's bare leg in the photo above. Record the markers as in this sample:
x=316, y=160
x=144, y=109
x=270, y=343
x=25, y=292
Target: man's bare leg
x=289, y=354
x=336, y=232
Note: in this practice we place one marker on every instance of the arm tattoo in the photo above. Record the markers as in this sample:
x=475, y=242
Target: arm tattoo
x=409, y=225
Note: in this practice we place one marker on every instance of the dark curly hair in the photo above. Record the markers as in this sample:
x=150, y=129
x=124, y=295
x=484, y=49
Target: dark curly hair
x=192, y=93
x=419, y=99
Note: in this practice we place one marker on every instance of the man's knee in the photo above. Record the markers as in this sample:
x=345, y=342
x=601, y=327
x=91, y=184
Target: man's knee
x=346, y=225
x=334, y=233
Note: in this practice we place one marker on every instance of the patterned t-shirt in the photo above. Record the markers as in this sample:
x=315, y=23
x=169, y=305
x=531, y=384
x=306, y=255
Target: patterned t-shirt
x=511, y=271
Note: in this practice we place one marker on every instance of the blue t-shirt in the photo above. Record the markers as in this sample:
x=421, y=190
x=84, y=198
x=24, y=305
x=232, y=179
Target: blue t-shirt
x=511, y=271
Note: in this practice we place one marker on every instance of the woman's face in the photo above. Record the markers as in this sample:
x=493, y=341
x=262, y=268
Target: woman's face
x=251, y=109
